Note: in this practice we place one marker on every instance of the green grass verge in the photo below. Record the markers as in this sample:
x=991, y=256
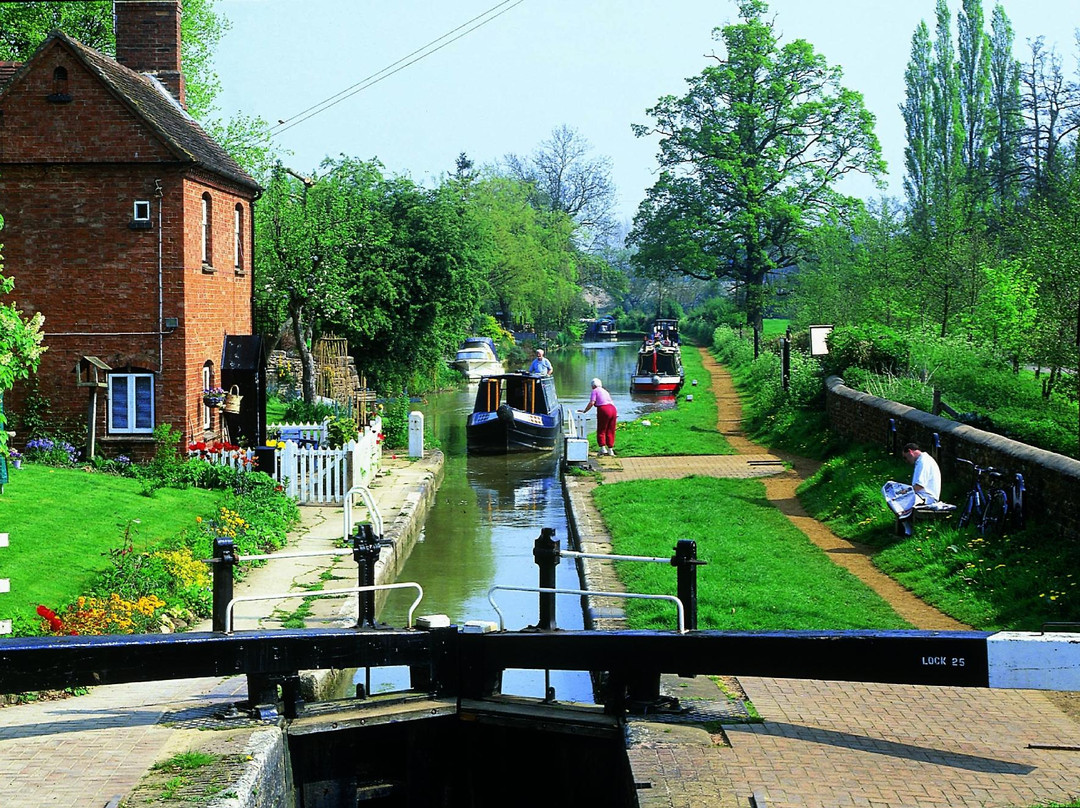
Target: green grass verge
x=62, y=523
x=763, y=574
x=774, y=328
x=688, y=429
x=1018, y=581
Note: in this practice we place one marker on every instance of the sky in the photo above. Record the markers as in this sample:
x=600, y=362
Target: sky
x=593, y=65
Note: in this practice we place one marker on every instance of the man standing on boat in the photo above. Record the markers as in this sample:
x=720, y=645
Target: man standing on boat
x=540, y=364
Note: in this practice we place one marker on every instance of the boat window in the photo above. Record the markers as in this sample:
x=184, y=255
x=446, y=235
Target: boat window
x=666, y=363
x=516, y=394
x=487, y=396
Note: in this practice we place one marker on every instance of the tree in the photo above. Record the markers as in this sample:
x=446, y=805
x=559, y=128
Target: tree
x=749, y=158
x=25, y=25
x=20, y=344
x=1004, y=164
x=299, y=261
x=570, y=180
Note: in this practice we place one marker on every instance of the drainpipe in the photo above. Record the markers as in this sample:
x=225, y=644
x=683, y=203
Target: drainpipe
x=160, y=284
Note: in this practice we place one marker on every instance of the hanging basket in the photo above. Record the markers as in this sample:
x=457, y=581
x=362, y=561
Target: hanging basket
x=233, y=399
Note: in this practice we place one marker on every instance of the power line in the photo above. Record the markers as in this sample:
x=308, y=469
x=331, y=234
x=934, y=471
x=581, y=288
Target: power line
x=394, y=67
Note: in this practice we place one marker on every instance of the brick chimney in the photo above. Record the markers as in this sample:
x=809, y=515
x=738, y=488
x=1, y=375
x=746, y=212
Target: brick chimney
x=148, y=40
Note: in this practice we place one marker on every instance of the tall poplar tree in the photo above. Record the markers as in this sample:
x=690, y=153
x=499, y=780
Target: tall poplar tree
x=1004, y=160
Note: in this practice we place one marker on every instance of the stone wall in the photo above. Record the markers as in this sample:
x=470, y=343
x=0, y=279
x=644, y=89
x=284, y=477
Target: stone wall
x=1053, y=480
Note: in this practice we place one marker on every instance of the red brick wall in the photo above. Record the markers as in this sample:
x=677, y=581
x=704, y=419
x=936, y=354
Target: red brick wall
x=69, y=177
x=1052, y=480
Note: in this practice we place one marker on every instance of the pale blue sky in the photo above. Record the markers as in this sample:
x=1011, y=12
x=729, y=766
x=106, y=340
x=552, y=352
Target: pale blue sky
x=595, y=65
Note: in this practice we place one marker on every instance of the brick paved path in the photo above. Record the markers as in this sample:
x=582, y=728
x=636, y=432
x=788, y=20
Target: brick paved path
x=846, y=744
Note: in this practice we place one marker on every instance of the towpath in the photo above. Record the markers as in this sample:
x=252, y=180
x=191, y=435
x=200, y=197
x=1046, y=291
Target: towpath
x=837, y=743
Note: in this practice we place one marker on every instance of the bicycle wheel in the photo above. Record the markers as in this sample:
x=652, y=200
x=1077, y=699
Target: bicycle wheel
x=993, y=518
x=971, y=509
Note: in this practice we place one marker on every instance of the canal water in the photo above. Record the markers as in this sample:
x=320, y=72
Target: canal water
x=490, y=509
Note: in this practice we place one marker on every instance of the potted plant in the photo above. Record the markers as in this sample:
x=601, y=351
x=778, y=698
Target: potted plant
x=15, y=456
x=214, y=397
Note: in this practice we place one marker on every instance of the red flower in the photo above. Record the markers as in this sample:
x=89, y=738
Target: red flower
x=45, y=612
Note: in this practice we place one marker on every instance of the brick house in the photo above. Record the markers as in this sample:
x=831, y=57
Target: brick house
x=131, y=230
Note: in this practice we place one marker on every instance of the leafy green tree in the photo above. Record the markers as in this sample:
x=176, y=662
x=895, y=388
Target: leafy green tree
x=300, y=278
x=20, y=343
x=749, y=158
x=1004, y=165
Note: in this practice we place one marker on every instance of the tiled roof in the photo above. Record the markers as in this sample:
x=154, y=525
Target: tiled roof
x=152, y=103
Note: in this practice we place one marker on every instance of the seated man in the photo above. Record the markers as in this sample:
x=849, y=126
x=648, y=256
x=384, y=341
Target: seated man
x=925, y=488
x=540, y=364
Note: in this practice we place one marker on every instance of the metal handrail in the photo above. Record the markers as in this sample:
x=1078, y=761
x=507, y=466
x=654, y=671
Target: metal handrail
x=681, y=618
x=610, y=557
x=376, y=517
x=352, y=590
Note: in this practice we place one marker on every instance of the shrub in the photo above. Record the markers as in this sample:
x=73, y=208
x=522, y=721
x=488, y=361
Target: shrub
x=51, y=453
x=166, y=466
x=876, y=348
x=298, y=411
x=340, y=430
x=395, y=422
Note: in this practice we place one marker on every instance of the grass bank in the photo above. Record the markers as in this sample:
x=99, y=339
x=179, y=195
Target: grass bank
x=133, y=559
x=1017, y=581
x=687, y=429
x=763, y=574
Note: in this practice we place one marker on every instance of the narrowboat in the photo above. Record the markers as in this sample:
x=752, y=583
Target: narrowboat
x=659, y=369
x=477, y=357
x=514, y=412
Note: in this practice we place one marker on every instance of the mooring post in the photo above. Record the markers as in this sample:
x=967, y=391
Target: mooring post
x=365, y=554
x=547, y=556
x=224, y=561
x=685, y=562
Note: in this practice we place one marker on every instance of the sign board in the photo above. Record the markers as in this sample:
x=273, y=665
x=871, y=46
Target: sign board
x=818, y=334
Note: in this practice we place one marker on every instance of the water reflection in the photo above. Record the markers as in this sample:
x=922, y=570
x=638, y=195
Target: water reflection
x=490, y=509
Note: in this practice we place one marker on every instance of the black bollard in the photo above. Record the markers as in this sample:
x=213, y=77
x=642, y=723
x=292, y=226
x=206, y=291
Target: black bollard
x=224, y=561
x=365, y=554
x=546, y=554
x=685, y=562
x=890, y=439
x=785, y=363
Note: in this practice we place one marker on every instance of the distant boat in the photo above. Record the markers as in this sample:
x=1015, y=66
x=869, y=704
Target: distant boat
x=477, y=357
x=514, y=412
x=659, y=369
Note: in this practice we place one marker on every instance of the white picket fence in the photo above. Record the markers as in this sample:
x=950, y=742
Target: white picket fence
x=314, y=475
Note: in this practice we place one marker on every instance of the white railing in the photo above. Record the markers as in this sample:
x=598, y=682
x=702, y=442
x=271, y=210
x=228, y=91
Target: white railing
x=309, y=434
x=309, y=473
x=5, y=586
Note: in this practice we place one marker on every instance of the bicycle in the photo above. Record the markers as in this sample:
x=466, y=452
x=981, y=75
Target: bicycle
x=992, y=508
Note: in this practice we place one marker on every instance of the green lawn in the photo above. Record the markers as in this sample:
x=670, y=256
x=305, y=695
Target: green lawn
x=688, y=429
x=1018, y=581
x=763, y=574
x=61, y=524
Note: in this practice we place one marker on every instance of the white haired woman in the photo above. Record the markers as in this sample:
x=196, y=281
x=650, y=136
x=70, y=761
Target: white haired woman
x=606, y=415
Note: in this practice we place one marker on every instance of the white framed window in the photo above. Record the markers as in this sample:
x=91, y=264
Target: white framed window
x=207, y=383
x=141, y=213
x=131, y=403
x=238, y=237
x=207, y=230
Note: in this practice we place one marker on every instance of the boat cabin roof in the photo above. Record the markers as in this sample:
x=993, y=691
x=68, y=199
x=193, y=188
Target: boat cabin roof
x=474, y=341
x=528, y=392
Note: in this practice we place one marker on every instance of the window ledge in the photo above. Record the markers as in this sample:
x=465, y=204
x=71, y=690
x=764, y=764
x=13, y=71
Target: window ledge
x=208, y=269
x=127, y=437
x=139, y=224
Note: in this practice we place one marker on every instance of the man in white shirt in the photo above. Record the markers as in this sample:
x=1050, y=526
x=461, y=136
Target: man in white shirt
x=540, y=364
x=926, y=479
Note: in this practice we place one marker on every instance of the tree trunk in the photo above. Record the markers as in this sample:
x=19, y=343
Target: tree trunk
x=302, y=334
